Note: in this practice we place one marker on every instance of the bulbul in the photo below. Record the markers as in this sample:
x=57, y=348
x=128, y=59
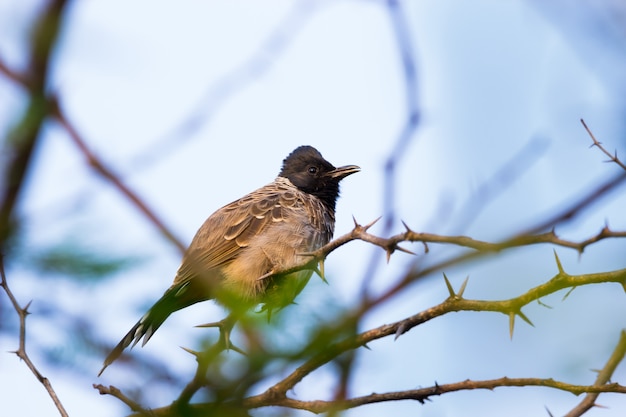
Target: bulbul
x=234, y=255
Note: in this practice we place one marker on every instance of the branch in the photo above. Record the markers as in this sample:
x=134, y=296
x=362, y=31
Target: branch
x=12, y=75
x=392, y=244
x=115, y=392
x=276, y=395
x=604, y=376
x=21, y=351
x=236, y=79
x=106, y=172
x=421, y=395
x=596, y=143
x=20, y=143
x=511, y=307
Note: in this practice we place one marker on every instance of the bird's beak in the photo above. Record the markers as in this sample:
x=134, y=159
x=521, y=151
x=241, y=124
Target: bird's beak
x=342, y=172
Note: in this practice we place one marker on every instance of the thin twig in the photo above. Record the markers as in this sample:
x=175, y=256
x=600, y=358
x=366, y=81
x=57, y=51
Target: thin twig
x=117, y=393
x=598, y=144
x=22, y=312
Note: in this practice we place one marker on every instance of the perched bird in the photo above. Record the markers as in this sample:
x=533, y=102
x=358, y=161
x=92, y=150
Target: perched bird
x=235, y=254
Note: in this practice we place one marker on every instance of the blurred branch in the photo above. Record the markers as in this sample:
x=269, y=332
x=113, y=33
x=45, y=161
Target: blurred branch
x=12, y=75
x=454, y=303
x=20, y=144
x=406, y=50
x=101, y=168
x=509, y=172
x=115, y=392
x=18, y=149
x=276, y=395
x=22, y=312
x=402, y=33
x=603, y=379
x=232, y=82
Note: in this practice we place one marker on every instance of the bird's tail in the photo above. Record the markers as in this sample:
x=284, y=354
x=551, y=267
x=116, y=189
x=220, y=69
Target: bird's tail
x=150, y=322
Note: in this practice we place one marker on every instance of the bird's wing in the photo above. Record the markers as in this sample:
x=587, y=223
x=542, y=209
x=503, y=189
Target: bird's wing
x=232, y=227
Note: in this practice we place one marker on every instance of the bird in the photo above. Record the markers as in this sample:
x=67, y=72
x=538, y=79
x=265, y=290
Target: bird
x=236, y=253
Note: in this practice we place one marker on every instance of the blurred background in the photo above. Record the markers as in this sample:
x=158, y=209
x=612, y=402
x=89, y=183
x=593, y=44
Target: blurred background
x=464, y=117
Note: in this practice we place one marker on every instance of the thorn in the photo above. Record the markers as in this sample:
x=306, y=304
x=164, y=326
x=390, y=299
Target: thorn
x=372, y=223
x=366, y=347
x=450, y=289
x=389, y=252
x=26, y=307
x=463, y=286
x=193, y=352
x=236, y=349
x=320, y=272
x=408, y=229
x=401, y=249
x=548, y=411
x=356, y=224
x=568, y=293
x=426, y=249
x=526, y=319
x=401, y=329
x=558, y=263
x=541, y=303
x=212, y=324
x=511, y=323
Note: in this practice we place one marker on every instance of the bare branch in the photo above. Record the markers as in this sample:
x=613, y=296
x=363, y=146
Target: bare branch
x=420, y=395
x=22, y=312
x=101, y=168
x=19, y=145
x=115, y=392
x=596, y=143
x=12, y=75
x=603, y=379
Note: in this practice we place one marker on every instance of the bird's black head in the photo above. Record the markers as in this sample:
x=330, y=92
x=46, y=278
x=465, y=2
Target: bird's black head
x=310, y=172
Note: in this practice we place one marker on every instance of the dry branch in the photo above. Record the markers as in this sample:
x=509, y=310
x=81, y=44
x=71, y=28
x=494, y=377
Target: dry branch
x=22, y=313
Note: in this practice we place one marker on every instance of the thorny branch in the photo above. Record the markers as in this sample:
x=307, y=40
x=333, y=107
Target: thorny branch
x=276, y=395
x=454, y=303
x=612, y=156
x=18, y=150
x=603, y=379
x=422, y=394
x=42, y=106
x=22, y=312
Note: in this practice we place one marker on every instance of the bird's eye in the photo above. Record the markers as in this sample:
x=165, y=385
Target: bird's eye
x=312, y=170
